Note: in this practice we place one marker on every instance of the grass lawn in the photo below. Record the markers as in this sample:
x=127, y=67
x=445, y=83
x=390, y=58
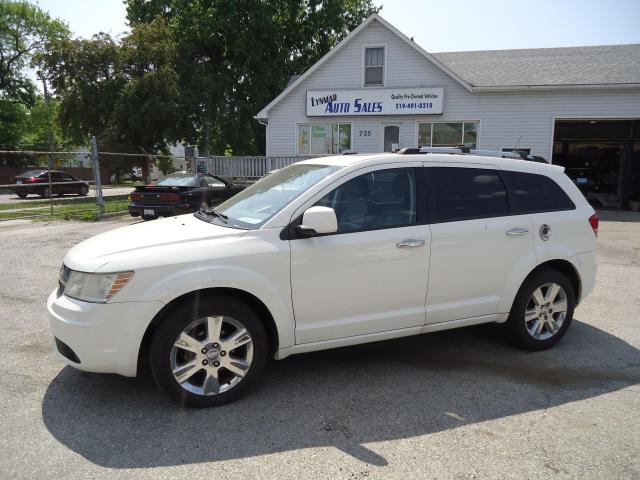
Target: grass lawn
x=80, y=209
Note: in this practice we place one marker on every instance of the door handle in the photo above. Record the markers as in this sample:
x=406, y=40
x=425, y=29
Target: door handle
x=410, y=243
x=517, y=232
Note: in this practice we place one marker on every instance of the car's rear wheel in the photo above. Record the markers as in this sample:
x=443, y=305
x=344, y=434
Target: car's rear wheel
x=84, y=191
x=209, y=352
x=542, y=311
x=21, y=195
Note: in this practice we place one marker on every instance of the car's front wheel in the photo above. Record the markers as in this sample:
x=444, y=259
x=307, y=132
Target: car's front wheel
x=208, y=352
x=84, y=191
x=542, y=310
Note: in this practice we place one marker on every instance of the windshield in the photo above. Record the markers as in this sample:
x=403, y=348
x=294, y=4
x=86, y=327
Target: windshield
x=178, y=181
x=256, y=204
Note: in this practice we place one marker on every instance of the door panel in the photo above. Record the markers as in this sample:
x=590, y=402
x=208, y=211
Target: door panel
x=478, y=250
x=471, y=265
x=371, y=276
x=358, y=283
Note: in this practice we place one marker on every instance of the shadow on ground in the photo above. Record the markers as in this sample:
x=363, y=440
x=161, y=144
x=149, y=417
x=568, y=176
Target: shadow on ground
x=343, y=398
x=618, y=216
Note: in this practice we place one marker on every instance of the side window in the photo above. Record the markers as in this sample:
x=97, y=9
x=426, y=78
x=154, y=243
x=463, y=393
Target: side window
x=65, y=177
x=536, y=193
x=214, y=182
x=380, y=199
x=467, y=193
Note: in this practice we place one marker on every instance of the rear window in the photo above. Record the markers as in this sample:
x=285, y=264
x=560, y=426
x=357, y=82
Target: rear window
x=32, y=173
x=467, y=193
x=179, y=181
x=536, y=193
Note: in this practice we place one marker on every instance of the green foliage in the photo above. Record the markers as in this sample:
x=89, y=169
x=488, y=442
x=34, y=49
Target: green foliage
x=165, y=165
x=195, y=72
x=235, y=57
x=126, y=92
x=13, y=120
x=25, y=30
x=40, y=123
x=29, y=129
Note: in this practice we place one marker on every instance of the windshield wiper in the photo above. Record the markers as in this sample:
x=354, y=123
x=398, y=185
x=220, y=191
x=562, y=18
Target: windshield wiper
x=219, y=215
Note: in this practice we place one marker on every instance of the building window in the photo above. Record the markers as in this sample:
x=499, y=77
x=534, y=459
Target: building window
x=449, y=134
x=324, y=138
x=374, y=66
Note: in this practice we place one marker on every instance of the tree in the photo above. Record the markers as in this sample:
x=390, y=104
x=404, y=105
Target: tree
x=25, y=30
x=237, y=56
x=125, y=92
x=13, y=120
x=165, y=165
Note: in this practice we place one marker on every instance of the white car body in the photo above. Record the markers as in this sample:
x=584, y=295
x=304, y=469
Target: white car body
x=325, y=291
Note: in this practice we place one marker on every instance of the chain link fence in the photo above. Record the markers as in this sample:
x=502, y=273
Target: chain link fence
x=87, y=183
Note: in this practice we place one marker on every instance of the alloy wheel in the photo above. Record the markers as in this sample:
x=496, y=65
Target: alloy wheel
x=211, y=355
x=546, y=311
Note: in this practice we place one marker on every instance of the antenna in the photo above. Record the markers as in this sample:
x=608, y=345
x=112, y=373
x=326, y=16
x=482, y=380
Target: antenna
x=515, y=149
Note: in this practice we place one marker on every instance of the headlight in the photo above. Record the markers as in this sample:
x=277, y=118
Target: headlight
x=94, y=287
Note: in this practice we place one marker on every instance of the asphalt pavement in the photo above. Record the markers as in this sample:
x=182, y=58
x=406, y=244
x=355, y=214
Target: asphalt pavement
x=457, y=404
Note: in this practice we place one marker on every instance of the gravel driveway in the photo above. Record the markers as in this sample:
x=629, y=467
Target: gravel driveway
x=457, y=404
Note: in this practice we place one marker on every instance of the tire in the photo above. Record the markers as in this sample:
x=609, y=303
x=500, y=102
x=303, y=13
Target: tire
x=538, y=322
x=200, y=388
x=84, y=191
x=45, y=192
x=146, y=218
x=22, y=195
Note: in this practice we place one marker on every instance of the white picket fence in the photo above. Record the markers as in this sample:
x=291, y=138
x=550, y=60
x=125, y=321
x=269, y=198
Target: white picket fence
x=246, y=167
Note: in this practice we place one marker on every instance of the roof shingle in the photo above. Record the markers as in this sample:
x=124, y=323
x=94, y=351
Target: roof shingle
x=601, y=65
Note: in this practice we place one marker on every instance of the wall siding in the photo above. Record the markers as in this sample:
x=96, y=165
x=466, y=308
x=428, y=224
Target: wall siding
x=504, y=117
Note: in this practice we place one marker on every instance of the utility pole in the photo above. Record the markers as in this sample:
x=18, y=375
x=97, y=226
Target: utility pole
x=49, y=118
x=51, y=139
x=96, y=175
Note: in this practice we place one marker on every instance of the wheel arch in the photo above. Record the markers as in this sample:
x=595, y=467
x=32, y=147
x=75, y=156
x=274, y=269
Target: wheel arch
x=566, y=268
x=254, y=302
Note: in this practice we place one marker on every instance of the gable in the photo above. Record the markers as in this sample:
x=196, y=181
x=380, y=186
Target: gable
x=342, y=66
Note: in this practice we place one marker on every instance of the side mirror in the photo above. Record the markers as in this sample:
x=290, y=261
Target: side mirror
x=318, y=220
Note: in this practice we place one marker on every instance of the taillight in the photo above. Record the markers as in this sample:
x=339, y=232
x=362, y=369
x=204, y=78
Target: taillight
x=594, y=220
x=33, y=180
x=136, y=196
x=169, y=197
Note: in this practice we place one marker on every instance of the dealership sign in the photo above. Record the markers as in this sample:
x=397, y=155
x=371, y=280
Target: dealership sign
x=379, y=101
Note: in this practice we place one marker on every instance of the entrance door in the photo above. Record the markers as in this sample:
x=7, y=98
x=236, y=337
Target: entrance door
x=390, y=136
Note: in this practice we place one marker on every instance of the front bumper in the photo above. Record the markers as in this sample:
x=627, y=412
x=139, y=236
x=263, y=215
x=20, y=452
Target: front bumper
x=101, y=337
x=136, y=210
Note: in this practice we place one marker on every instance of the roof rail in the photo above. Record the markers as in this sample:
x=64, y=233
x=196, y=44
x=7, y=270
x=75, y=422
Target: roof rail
x=462, y=150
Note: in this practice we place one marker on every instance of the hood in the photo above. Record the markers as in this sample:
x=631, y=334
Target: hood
x=157, y=237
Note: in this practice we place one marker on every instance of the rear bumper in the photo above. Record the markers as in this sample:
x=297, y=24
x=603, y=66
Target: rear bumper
x=587, y=267
x=99, y=337
x=136, y=210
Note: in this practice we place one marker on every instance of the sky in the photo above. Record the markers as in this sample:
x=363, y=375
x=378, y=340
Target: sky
x=440, y=26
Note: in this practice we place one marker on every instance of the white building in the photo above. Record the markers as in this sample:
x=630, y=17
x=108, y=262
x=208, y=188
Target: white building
x=377, y=90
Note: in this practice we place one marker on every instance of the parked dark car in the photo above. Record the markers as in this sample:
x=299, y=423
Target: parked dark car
x=37, y=182
x=180, y=193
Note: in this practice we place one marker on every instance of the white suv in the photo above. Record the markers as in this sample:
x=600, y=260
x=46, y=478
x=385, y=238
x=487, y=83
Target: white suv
x=326, y=253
